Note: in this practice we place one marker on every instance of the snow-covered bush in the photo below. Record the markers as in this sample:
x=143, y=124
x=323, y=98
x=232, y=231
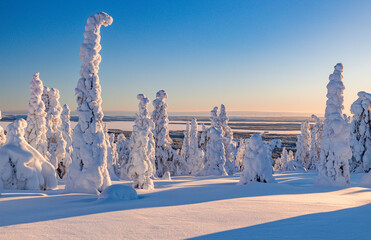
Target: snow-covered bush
x=293, y=165
x=315, y=146
x=257, y=162
x=279, y=162
x=333, y=166
x=303, y=144
x=21, y=165
x=139, y=168
x=229, y=144
x=195, y=154
x=36, y=118
x=67, y=136
x=123, y=149
x=360, y=139
x=215, y=155
x=2, y=135
x=241, y=153
x=56, y=143
x=88, y=171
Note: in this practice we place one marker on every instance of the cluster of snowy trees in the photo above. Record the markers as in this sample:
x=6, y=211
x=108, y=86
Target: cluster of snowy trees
x=34, y=153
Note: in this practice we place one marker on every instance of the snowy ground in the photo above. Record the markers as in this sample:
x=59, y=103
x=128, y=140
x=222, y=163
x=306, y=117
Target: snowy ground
x=194, y=207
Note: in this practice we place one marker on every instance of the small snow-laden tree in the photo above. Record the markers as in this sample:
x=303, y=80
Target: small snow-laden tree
x=56, y=142
x=123, y=149
x=282, y=160
x=66, y=130
x=2, y=135
x=360, y=138
x=164, y=153
x=112, y=156
x=139, y=168
x=195, y=154
x=229, y=144
x=303, y=144
x=46, y=98
x=88, y=171
x=203, y=138
x=215, y=155
x=315, y=145
x=257, y=162
x=22, y=166
x=186, y=141
x=241, y=153
x=333, y=166
x=36, y=118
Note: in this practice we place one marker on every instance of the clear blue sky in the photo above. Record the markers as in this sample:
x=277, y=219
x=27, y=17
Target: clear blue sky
x=250, y=55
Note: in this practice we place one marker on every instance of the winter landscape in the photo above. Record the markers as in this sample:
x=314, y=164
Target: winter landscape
x=200, y=156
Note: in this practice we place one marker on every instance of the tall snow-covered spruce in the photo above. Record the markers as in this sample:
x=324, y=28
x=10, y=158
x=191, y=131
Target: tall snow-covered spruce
x=54, y=135
x=360, y=139
x=303, y=144
x=36, y=118
x=195, y=154
x=67, y=136
x=333, y=167
x=139, y=168
x=215, y=154
x=88, y=171
x=2, y=135
x=315, y=145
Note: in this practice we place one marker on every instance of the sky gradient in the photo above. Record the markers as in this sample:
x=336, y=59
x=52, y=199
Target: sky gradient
x=249, y=55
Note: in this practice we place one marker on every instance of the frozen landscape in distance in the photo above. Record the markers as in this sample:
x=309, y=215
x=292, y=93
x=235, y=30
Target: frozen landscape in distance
x=155, y=174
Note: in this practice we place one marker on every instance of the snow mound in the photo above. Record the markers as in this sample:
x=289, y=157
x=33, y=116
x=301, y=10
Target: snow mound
x=118, y=193
x=166, y=176
x=22, y=166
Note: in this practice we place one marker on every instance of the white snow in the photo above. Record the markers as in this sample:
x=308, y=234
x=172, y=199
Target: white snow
x=188, y=207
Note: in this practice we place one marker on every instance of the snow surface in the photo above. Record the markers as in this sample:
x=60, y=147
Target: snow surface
x=118, y=193
x=195, y=207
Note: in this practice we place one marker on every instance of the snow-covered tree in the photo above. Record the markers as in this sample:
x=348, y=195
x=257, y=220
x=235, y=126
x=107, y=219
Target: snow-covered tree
x=123, y=149
x=360, y=138
x=2, y=135
x=303, y=144
x=333, y=166
x=257, y=162
x=36, y=118
x=279, y=162
x=215, y=155
x=195, y=154
x=67, y=136
x=315, y=145
x=112, y=156
x=167, y=159
x=229, y=144
x=139, y=168
x=56, y=143
x=203, y=138
x=241, y=153
x=88, y=171
x=22, y=166
x=186, y=141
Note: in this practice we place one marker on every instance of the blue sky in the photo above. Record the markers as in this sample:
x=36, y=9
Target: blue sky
x=249, y=55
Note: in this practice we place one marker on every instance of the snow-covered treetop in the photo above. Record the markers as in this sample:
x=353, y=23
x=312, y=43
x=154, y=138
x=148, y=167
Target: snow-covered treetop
x=66, y=111
x=223, y=115
x=363, y=102
x=162, y=95
x=55, y=108
x=214, y=117
x=335, y=88
x=143, y=105
x=88, y=89
x=36, y=106
x=318, y=120
x=15, y=131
